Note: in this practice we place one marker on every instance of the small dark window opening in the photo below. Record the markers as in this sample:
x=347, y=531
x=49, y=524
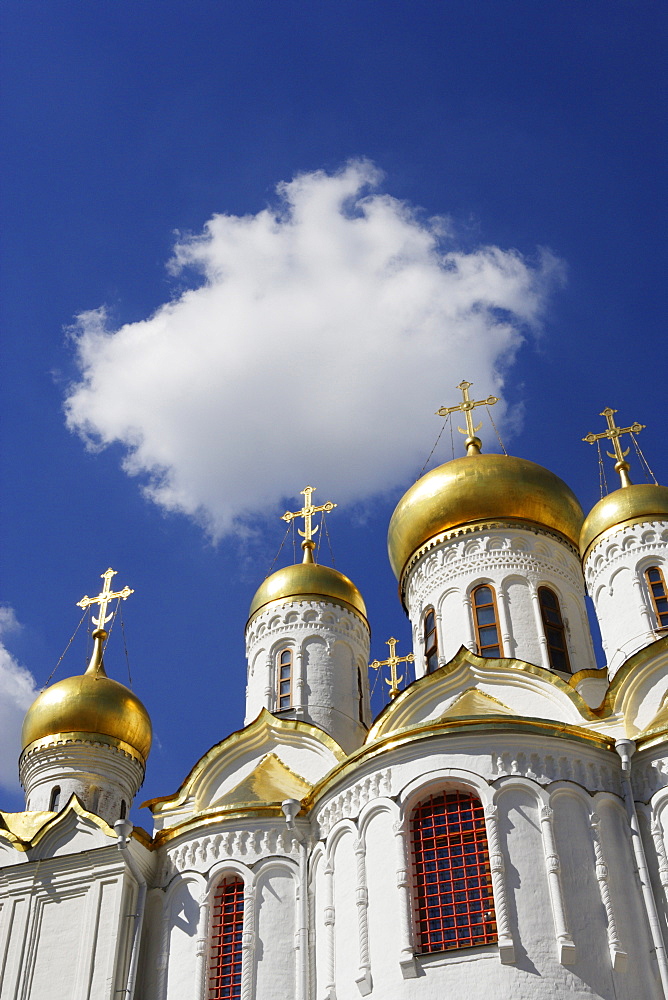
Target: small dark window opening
x=124, y=809
x=285, y=679
x=657, y=591
x=360, y=696
x=486, y=622
x=430, y=641
x=555, y=632
x=54, y=802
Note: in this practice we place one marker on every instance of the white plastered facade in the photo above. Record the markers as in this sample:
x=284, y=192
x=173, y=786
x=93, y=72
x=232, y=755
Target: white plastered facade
x=615, y=573
x=577, y=851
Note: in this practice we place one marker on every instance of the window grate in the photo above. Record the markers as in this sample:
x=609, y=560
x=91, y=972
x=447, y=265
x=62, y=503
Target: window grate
x=226, y=940
x=454, y=904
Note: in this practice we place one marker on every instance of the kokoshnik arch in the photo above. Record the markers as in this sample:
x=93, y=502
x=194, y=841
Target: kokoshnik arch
x=499, y=830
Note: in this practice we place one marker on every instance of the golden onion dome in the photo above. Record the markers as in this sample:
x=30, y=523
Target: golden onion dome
x=626, y=506
x=90, y=705
x=308, y=581
x=478, y=489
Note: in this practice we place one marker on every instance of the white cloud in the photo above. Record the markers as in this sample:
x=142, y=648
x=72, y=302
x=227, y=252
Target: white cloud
x=321, y=337
x=17, y=692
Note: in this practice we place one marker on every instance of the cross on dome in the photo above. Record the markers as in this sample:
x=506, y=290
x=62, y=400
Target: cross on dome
x=472, y=442
x=613, y=433
x=104, y=597
x=307, y=512
x=392, y=662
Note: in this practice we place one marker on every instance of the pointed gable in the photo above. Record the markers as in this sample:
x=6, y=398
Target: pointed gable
x=471, y=685
x=254, y=768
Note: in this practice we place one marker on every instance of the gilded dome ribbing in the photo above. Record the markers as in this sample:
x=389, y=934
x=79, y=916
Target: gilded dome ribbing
x=628, y=505
x=89, y=705
x=308, y=581
x=481, y=488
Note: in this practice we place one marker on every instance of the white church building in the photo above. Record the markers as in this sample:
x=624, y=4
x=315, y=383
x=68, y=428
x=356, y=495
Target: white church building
x=498, y=831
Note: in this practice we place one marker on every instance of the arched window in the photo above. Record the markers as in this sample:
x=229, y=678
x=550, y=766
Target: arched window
x=454, y=905
x=486, y=622
x=360, y=696
x=657, y=591
x=553, y=626
x=430, y=640
x=284, y=669
x=226, y=934
x=54, y=801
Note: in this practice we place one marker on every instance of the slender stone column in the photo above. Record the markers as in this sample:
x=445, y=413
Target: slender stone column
x=565, y=944
x=617, y=953
x=509, y=644
x=498, y=870
x=362, y=899
x=330, y=986
x=540, y=630
x=407, y=956
x=248, y=944
x=202, y=948
x=468, y=633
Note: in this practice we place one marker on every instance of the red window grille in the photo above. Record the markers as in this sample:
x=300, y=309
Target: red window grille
x=226, y=940
x=454, y=905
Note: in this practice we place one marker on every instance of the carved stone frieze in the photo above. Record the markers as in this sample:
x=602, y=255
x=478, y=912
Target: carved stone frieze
x=305, y=616
x=593, y=775
x=248, y=846
x=348, y=804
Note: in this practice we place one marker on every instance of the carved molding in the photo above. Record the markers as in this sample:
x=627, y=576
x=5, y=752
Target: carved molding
x=250, y=845
x=456, y=560
x=498, y=872
x=566, y=950
x=542, y=768
x=617, y=954
x=349, y=804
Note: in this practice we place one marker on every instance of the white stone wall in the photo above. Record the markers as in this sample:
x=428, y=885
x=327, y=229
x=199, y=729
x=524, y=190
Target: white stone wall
x=568, y=906
x=330, y=648
x=265, y=855
x=101, y=775
x=516, y=562
x=614, y=571
x=65, y=927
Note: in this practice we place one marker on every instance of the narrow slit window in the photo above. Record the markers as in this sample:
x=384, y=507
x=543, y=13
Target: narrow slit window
x=226, y=940
x=360, y=696
x=553, y=625
x=656, y=585
x=284, y=666
x=454, y=903
x=124, y=809
x=54, y=803
x=430, y=641
x=486, y=622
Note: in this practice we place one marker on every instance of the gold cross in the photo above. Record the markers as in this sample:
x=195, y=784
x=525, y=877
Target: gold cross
x=103, y=598
x=472, y=442
x=307, y=512
x=614, y=433
x=392, y=662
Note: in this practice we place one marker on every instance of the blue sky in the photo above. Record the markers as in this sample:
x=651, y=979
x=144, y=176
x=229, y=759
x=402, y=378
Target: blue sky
x=475, y=190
